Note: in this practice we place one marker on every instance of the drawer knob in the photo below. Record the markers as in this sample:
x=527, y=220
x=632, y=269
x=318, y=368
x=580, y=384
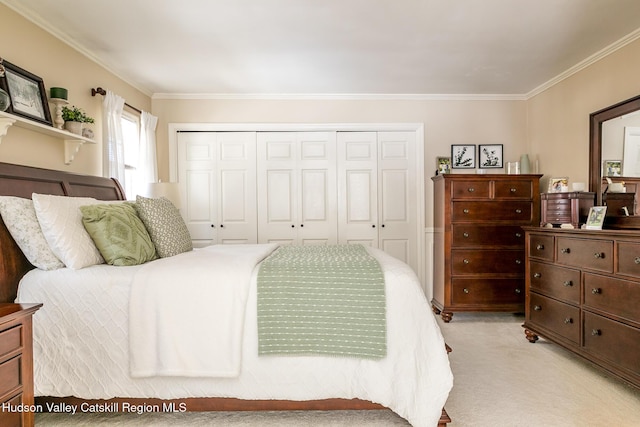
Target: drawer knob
x=637, y=260
x=518, y=211
x=518, y=291
x=513, y=190
x=537, y=308
x=471, y=190
x=565, y=250
x=537, y=275
x=568, y=283
x=599, y=255
x=518, y=235
x=518, y=262
x=596, y=291
x=465, y=211
x=540, y=247
x=596, y=332
x=465, y=234
x=465, y=290
x=465, y=261
x=568, y=320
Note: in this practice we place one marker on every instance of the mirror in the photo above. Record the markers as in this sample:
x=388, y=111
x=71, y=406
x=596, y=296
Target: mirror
x=606, y=134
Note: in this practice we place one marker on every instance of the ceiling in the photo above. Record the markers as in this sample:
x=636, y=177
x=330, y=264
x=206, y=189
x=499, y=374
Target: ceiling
x=322, y=47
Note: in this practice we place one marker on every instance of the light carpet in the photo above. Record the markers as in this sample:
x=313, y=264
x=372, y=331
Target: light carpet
x=501, y=380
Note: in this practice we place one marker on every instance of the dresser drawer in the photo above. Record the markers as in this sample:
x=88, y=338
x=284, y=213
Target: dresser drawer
x=10, y=375
x=615, y=296
x=12, y=418
x=487, y=262
x=558, y=282
x=541, y=247
x=487, y=235
x=10, y=341
x=613, y=341
x=629, y=259
x=584, y=253
x=514, y=189
x=558, y=317
x=470, y=189
x=512, y=211
x=487, y=291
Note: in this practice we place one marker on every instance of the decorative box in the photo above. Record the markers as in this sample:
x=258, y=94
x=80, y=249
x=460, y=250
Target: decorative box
x=566, y=208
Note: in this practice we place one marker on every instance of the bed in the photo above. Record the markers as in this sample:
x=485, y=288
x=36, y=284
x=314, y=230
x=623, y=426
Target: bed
x=81, y=336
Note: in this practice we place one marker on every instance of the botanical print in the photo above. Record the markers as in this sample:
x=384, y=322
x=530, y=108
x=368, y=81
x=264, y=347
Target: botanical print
x=463, y=156
x=491, y=156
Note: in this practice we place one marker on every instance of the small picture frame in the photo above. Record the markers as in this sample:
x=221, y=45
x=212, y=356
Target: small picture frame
x=612, y=168
x=558, y=185
x=27, y=93
x=596, y=218
x=463, y=156
x=490, y=156
x=443, y=165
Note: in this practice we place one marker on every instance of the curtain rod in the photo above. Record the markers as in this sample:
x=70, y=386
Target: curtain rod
x=104, y=92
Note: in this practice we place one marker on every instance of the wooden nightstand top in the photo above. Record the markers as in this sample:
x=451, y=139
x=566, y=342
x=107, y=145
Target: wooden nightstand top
x=10, y=311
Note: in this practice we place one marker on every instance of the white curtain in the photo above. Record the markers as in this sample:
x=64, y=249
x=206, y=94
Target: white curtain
x=147, y=165
x=113, y=156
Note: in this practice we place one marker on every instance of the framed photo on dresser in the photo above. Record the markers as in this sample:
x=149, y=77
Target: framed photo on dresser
x=463, y=156
x=596, y=217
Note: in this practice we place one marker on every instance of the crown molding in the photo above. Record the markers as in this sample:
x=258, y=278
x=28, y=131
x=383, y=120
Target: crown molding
x=619, y=44
x=339, y=96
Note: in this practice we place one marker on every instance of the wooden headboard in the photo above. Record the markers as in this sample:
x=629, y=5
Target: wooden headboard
x=22, y=181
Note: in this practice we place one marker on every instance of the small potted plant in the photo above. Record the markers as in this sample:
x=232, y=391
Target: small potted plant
x=74, y=118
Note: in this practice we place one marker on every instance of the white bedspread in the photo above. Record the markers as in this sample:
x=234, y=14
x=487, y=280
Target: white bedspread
x=186, y=313
x=81, y=348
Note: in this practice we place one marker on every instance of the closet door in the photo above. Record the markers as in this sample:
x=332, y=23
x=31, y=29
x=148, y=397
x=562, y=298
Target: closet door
x=358, y=188
x=216, y=173
x=397, y=208
x=297, y=201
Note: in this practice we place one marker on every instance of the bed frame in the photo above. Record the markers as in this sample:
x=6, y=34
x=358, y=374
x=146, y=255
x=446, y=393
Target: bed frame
x=22, y=181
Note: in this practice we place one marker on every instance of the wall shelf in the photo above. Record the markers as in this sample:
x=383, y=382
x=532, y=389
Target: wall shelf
x=72, y=142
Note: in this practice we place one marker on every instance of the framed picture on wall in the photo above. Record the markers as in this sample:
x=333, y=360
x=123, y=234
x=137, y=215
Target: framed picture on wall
x=463, y=156
x=490, y=156
x=27, y=93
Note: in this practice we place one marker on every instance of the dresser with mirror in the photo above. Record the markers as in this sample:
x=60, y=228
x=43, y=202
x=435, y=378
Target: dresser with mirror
x=582, y=287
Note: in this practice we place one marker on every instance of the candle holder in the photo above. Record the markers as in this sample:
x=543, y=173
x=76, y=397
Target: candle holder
x=59, y=103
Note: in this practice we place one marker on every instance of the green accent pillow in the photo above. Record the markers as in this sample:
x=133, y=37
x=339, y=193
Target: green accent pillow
x=118, y=233
x=166, y=227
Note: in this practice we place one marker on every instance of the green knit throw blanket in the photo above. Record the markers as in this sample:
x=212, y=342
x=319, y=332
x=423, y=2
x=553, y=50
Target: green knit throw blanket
x=327, y=300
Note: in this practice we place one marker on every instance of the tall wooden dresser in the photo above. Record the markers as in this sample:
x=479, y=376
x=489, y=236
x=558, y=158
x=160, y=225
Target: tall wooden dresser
x=479, y=242
x=582, y=292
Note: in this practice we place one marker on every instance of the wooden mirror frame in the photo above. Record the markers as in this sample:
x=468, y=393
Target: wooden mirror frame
x=595, y=137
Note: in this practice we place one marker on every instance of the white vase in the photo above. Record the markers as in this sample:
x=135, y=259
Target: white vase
x=73, y=127
x=525, y=166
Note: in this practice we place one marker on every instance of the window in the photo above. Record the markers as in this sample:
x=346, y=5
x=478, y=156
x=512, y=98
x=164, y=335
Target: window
x=131, y=141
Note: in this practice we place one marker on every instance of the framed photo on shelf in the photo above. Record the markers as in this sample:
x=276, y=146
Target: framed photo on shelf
x=596, y=217
x=463, y=156
x=558, y=185
x=27, y=93
x=612, y=168
x=443, y=165
x=490, y=156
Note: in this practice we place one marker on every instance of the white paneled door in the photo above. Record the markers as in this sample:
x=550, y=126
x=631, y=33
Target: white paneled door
x=217, y=177
x=297, y=202
x=376, y=188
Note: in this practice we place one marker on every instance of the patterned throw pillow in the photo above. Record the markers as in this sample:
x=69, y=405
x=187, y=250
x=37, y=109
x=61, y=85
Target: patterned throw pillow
x=20, y=218
x=118, y=233
x=166, y=227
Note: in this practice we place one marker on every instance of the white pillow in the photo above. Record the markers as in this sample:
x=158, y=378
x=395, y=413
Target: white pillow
x=61, y=222
x=20, y=218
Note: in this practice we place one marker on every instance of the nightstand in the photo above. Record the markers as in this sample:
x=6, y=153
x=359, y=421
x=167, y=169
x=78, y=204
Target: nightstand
x=16, y=364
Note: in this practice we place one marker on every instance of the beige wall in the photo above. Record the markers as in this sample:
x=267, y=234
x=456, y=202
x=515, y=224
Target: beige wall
x=37, y=51
x=445, y=122
x=558, y=118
